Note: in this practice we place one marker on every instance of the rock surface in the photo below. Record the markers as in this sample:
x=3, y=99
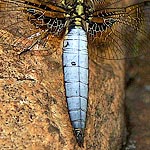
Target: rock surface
x=33, y=109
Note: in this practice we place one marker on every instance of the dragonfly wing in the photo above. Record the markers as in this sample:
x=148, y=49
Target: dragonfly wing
x=100, y=4
x=123, y=32
x=26, y=25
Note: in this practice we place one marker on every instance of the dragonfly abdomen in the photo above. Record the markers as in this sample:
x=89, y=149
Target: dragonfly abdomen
x=75, y=63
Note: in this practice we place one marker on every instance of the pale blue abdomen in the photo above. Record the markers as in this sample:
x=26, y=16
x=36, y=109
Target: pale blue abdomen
x=75, y=63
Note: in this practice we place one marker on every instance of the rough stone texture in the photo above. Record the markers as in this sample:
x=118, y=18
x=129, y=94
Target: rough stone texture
x=105, y=125
x=33, y=107
x=33, y=110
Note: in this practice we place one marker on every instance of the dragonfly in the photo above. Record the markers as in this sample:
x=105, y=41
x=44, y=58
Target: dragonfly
x=109, y=29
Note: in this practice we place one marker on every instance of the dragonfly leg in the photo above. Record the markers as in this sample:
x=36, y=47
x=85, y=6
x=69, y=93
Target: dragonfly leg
x=24, y=51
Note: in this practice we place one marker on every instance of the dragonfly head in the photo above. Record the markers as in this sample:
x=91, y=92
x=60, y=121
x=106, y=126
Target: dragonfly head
x=79, y=134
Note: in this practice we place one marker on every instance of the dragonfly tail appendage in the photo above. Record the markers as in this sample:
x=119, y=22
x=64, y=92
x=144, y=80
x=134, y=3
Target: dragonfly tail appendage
x=79, y=134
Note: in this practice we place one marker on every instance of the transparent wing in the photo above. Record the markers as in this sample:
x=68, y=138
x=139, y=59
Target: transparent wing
x=116, y=33
x=25, y=24
x=100, y=4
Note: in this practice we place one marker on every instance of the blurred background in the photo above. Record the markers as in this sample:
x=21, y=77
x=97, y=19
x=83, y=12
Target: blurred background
x=138, y=102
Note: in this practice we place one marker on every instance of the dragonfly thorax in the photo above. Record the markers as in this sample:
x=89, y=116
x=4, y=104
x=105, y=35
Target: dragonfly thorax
x=77, y=18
